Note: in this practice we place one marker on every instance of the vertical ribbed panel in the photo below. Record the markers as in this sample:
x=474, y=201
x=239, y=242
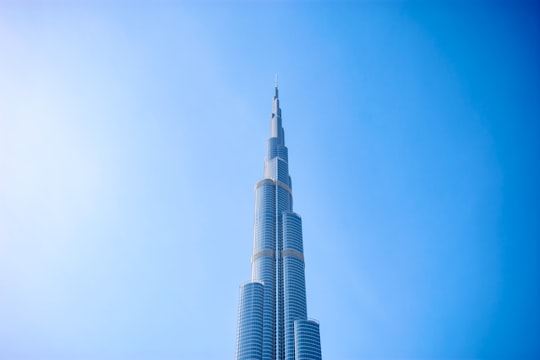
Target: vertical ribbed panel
x=277, y=169
x=249, y=334
x=307, y=340
x=264, y=266
x=282, y=205
x=276, y=150
x=293, y=279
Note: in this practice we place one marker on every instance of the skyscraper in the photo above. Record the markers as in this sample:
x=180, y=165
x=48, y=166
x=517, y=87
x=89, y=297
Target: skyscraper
x=272, y=312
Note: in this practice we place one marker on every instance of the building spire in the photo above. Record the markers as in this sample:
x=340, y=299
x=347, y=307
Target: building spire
x=275, y=123
x=276, y=86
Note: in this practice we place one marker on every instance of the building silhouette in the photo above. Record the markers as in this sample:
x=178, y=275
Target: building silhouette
x=272, y=313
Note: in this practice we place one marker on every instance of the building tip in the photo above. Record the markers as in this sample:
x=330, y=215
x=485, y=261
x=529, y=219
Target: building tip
x=276, y=86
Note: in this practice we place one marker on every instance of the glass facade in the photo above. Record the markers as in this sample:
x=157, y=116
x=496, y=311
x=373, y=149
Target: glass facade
x=250, y=321
x=276, y=327
x=307, y=341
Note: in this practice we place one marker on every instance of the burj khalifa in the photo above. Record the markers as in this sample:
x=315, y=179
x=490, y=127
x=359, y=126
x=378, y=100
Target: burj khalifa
x=272, y=311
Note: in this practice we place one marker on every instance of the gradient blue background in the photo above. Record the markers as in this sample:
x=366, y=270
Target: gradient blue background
x=132, y=134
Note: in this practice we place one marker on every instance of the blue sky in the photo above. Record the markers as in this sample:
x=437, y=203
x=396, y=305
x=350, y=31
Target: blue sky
x=132, y=134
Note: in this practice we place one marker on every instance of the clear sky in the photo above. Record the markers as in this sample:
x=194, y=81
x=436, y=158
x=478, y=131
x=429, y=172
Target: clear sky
x=132, y=134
